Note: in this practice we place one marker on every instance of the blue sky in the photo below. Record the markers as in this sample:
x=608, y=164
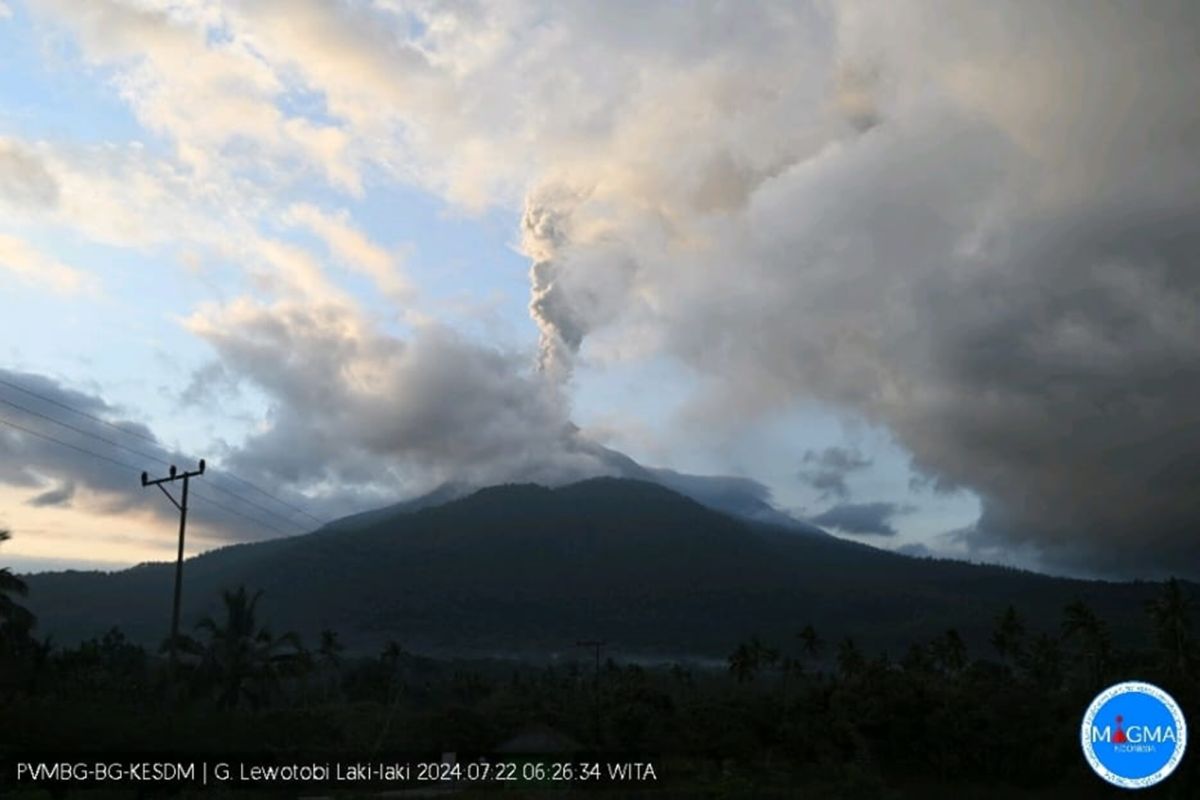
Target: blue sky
x=351, y=252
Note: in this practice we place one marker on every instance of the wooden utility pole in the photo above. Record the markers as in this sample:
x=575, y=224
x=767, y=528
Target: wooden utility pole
x=172, y=476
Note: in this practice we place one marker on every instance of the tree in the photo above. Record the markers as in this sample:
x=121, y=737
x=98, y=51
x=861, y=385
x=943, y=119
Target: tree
x=1044, y=662
x=1008, y=637
x=1081, y=625
x=949, y=652
x=743, y=663
x=810, y=643
x=850, y=658
x=16, y=621
x=391, y=655
x=329, y=655
x=242, y=660
x=1170, y=613
x=764, y=655
x=330, y=649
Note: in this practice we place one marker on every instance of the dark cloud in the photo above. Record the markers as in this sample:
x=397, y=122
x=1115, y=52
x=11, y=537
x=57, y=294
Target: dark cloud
x=826, y=470
x=43, y=441
x=974, y=225
x=993, y=256
x=379, y=417
x=866, y=519
x=60, y=496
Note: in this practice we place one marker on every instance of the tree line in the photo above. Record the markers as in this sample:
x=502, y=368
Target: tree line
x=817, y=711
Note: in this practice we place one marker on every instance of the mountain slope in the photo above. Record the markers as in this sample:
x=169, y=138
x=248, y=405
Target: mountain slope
x=739, y=497
x=523, y=569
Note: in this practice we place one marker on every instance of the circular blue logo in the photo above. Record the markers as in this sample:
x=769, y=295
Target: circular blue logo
x=1133, y=735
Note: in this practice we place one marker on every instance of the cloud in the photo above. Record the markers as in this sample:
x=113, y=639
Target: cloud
x=94, y=468
x=29, y=265
x=917, y=550
x=827, y=469
x=212, y=94
x=972, y=224
x=32, y=460
x=866, y=519
x=967, y=225
x=24, y=179
x=354, y=406
x=58, y=496
x=351, y=247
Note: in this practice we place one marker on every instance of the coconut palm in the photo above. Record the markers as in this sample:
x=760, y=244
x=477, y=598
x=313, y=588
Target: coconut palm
x=743, y=663
x=950, y=652
x=851, y=661
x=809, y=641
x=1081, y=625
x=1044, y=661
x=329, y=660
x=1008, y=637
x=1171, y=615
x=242, y=660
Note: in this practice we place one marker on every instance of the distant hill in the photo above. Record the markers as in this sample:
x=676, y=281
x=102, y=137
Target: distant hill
x=523, y=569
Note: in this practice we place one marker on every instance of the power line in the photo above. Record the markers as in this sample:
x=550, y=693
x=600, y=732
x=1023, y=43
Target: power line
x=132, y=468
x=92, y=417
x=69, y=426
x=67, y=444
x=142, y=454
x=151, y=440
x=253, y=504
x=235, y=512
x=295, y=508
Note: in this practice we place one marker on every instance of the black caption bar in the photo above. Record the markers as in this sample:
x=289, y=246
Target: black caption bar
x=94, y=770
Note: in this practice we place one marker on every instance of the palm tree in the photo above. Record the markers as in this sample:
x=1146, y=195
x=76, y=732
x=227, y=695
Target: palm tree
x=850, y=658
x=950, y=652
x=1171, y=614
x=330, y=649
x=810, y=643
x=391, y=655
x=1044, y=662
x=391, y=658
x=1081, y=624
x=243, y=660
x=329, y=653
x=1008, y=637
x=764, y=654
x=16, y=621
x=743, y=663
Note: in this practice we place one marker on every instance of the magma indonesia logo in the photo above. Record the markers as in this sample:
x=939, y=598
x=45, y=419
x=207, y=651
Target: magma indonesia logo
x=1133, y=735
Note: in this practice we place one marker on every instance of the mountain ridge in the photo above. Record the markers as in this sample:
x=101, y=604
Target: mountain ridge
x=526, y=568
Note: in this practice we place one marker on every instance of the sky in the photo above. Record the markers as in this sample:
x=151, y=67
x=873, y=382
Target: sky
x=923, y=273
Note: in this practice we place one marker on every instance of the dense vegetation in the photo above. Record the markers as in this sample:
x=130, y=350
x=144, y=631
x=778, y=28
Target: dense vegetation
x=813, y=713
x=779, y=714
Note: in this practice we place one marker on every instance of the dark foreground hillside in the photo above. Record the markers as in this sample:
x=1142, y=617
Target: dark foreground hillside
x=836, y=671
x=525, y=570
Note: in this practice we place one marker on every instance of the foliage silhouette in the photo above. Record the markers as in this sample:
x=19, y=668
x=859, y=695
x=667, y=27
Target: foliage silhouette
x=242, y=662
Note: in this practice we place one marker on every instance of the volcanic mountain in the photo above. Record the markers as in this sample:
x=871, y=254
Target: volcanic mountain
x=528, y=570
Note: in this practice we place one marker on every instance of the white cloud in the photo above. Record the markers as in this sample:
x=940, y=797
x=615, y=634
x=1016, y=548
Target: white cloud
x=352, y=247
x=26, y=263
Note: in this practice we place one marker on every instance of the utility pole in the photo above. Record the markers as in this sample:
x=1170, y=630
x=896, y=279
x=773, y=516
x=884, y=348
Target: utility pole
x=172, y=476
x=595, y=644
